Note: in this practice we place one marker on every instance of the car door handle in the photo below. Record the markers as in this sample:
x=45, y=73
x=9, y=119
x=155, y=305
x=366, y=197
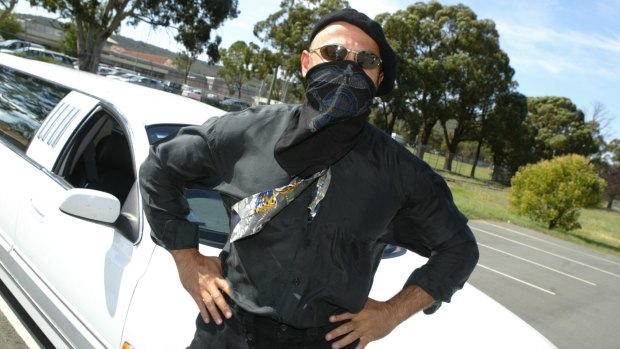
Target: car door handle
x=36, y=211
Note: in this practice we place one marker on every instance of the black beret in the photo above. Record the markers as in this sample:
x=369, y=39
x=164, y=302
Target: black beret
x=374, y=30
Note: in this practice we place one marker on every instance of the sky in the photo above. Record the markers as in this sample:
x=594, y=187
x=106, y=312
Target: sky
x=565, y=48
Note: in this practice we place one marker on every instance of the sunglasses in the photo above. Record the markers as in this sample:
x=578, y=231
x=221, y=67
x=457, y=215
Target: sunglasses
x=364, y=58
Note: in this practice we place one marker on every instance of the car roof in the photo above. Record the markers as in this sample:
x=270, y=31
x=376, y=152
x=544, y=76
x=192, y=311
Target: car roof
x=149, y=105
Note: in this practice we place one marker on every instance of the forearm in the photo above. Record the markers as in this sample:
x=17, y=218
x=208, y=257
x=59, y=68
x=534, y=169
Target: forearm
x=409, y=301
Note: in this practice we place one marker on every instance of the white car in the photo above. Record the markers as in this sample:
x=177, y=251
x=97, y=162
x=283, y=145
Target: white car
x=75, y=248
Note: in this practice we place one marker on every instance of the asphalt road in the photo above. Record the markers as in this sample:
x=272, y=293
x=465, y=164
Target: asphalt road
x=569, y=293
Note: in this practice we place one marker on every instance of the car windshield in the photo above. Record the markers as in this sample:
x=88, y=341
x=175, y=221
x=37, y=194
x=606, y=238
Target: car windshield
x=206, y=206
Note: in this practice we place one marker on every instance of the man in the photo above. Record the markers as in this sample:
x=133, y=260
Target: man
x=314, y=194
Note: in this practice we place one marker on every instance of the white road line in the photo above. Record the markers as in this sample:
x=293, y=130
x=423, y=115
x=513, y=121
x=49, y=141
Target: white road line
x=551, y=243
x=538, y=264
x=547, y=252
x=17, y=325
x=518, y=280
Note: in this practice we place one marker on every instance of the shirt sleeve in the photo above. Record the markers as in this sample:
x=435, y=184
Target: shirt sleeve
x=183, y=160
x=431, y=225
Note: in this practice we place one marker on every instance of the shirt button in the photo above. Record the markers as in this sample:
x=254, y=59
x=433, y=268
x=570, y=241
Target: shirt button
x=283, y=328
x=296, y=281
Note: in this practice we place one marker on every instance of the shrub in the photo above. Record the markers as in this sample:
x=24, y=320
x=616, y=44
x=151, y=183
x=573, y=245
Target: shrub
x=553, y=191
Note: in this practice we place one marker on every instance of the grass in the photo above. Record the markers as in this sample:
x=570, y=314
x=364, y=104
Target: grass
x=479, y=199
x=458, y=166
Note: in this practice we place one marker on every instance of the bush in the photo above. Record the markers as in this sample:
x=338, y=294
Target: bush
x=553, y=191
x=10, y=27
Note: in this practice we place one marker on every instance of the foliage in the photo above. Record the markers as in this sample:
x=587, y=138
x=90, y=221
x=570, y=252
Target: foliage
x=184, y=61
x=6, y=10
x=508, y=137
x=68, y=44
x=97, y=21
x=553, y=191
x=560, y=128
x=612, y=190
x=287, y=33
x=238, y=61
x=9, y=25
x=450, y=67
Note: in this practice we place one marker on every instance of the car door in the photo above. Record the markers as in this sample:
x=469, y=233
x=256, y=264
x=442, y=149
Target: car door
x=24, y=104
x=83, y=268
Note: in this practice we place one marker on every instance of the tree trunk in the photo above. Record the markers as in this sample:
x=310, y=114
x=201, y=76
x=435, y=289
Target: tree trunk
x=426, y=135
x=449, y=158
x=473, y=167
x=8, y=10
x=273, y=84
x=610, y=203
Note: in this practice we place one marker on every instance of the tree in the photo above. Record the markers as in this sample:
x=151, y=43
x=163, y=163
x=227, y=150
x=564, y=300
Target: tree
x=450, y=68
x=561, y=128
x=9, y=24
x=553, y=191
x=184, y=61
x=238, y=65
x=287, y=33
x=609, y=165
x=508, y=136
x=6, y=9
x=612, y=190
x=68, y=44
x=477, y=72
x=97, y=21
x=415, y=36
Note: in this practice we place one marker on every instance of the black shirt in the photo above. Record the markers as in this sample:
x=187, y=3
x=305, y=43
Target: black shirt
x=295, y=271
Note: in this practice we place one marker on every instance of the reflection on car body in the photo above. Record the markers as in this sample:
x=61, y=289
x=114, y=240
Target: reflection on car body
x=74, y=245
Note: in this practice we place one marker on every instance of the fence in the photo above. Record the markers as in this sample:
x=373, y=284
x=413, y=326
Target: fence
x=461, y=165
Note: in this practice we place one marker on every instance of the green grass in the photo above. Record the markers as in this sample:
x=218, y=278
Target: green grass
x=458, y=167
x=479, y=199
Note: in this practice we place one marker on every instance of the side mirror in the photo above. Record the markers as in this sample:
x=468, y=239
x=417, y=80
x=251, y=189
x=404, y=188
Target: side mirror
x=91, y=204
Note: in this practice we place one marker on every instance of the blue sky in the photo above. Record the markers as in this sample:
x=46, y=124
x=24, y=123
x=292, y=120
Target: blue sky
x=568, y=48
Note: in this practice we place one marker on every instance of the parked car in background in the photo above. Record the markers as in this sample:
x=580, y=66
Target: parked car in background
x=51, y=56
x=192, y=92
x=105, y=70
x=75, y=248
x=173, y=87
x=13, y=45
x=233, y=104
x=148, y=82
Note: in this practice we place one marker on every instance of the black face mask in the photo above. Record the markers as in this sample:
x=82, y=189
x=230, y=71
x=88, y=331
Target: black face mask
x=339, y=96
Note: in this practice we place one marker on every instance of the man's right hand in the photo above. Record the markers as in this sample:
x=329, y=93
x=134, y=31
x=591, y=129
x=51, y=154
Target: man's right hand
x=202, y=278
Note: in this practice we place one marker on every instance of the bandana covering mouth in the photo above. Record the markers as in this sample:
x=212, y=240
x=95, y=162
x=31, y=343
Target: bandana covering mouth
x=338, y=100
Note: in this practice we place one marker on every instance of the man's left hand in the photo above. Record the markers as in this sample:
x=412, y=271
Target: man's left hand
x=373, y=322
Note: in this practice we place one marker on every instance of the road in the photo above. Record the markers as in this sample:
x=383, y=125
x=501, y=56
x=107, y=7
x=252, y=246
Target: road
x=567, y=292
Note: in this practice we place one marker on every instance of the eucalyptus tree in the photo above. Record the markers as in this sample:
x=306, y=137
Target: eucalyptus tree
x=509, y=137
x=560, y=128
x=96, y=21
x=477, y=72
x=6, y=8
x=238, y=61
x=415, y=36
x=451, y=68
x=286, y=33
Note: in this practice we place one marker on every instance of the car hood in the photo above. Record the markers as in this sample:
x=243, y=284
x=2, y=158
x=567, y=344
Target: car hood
x=471, y=320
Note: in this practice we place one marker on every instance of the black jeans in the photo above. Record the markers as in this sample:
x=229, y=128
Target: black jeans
x=247, y=331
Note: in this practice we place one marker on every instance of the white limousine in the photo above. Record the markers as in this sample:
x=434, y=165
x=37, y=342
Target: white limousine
x=75, y=249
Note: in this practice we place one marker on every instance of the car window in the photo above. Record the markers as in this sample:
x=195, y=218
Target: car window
x=206, y=206
x=25, y=102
